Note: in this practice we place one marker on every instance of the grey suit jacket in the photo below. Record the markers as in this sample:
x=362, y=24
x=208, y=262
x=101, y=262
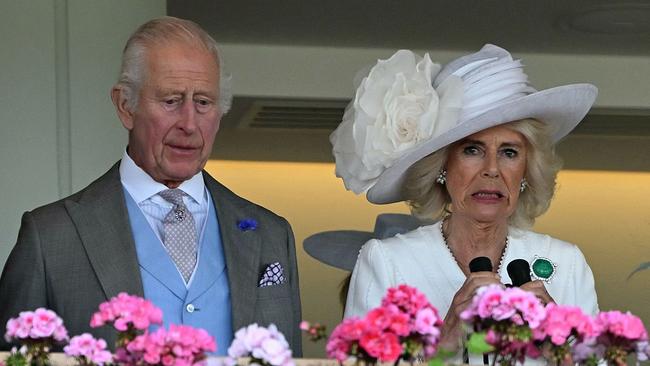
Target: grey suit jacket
x=75, y=253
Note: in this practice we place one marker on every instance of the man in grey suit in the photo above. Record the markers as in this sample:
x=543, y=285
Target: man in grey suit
x=156, y=225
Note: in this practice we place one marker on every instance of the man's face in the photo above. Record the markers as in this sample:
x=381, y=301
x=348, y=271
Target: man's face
x=173, y=127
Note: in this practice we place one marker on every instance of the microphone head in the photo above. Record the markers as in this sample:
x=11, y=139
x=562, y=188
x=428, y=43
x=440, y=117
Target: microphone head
x=519, y=272
x=480, y=264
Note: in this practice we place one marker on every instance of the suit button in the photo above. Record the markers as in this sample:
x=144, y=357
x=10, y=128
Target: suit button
x=189, y=308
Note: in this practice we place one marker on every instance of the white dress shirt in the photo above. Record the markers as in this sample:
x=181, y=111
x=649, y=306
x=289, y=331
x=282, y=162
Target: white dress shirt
x=144, y=191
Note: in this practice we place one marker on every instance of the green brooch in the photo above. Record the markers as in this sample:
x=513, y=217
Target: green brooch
x=542, y=269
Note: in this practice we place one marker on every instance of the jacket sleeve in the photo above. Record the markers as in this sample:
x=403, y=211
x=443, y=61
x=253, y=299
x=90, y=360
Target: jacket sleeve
x=296, y=337
x=371, y=278
x=23, y=283
x=583, y=284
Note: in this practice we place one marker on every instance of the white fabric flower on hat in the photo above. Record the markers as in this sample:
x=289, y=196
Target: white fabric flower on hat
x=395, y=109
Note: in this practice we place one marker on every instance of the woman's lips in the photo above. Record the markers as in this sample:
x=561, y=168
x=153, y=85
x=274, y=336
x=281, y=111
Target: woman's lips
x=488, y=196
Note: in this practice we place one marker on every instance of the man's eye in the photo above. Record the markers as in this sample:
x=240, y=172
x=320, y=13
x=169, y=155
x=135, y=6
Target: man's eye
x=171, y=101
x=203, y=102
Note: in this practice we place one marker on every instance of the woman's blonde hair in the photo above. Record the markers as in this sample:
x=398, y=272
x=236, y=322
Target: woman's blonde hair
x=430, y=199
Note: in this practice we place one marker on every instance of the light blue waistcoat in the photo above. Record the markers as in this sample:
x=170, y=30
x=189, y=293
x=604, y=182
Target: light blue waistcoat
x=206, y=302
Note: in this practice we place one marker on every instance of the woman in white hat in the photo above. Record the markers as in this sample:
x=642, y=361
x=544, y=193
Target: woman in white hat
x=470, y=145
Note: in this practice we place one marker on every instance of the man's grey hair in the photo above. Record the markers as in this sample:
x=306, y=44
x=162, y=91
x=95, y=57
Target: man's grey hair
x=162, y=31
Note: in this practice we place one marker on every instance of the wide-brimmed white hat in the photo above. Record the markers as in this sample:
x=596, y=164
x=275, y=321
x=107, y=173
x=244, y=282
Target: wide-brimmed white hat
x=408, y=107
x=340, y=248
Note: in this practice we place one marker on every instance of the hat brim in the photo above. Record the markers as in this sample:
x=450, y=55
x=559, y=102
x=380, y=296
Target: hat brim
x=562, y=108
x=337, y=248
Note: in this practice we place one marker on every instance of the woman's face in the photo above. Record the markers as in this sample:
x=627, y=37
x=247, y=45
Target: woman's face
x=484, y=173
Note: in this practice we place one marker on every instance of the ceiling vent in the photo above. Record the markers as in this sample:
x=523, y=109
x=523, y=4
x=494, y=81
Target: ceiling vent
x=325, y=115
x=615, y=122
x=293, y=114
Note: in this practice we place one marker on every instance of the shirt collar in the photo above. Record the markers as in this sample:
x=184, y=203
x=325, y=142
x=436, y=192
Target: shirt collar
x=141, y=186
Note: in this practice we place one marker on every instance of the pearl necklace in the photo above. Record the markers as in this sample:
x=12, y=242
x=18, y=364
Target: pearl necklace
x=444, y=240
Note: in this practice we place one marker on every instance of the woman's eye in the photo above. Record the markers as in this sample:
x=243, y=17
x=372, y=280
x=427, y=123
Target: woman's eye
x=510, y=153
x=471, y=150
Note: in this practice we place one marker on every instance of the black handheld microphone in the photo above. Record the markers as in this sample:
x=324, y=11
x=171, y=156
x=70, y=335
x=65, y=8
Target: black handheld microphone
x=480, y=264
x=519, y=272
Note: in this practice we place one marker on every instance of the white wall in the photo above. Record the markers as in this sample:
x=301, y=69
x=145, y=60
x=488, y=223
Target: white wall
x=58, y=129
x=28, y=138
x=284, y=71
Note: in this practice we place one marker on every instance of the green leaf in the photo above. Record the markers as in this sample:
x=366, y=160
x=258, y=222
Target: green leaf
x=477, y=343
x=16, y=359
x=437, y=361
x=441, y=355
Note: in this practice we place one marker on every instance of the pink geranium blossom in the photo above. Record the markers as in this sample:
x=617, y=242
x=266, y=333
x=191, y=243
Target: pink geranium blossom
x=36, y=331
x=508, y=316
x=88, y=350
x=181, y=345
x=125, y=311
x=404, y=326
x=35, y=325
x=266, y=346
x=315, y=331
x=563, y=327
x=623, y=325
x=562, y=322
x=385, y=346
x=407, y=298
x=621, y=334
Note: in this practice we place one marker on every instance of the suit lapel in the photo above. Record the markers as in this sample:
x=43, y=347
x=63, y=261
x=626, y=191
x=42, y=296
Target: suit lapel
x=101, y=219
x=241, y=249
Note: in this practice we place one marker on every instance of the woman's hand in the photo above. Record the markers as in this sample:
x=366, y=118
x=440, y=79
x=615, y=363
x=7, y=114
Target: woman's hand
x=537, y=287
x=451, y=329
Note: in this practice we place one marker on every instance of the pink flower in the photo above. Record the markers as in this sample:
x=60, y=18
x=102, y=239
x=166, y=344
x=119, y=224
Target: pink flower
x=38, y=324
x=265, y=344
x=501, y=304
x=383, y=345
x=427, y=321
x=91, y=349
x=621, y=334
x=400, y=323
x=407, y=298
x=382, y=317
x=180, y=345
x=405, y=320
x=343, y=337
x=621, y=324
x=508, y=316
x=304, y=325
x=352, y=329
x=126, y=311
x=561, y=322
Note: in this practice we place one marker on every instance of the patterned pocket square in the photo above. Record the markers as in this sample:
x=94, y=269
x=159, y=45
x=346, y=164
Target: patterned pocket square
x=272, y=275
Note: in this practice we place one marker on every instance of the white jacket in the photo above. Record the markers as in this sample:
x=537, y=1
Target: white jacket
x=421, y=259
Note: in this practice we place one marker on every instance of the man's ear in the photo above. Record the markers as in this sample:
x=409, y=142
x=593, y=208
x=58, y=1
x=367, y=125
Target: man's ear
x=121, y=107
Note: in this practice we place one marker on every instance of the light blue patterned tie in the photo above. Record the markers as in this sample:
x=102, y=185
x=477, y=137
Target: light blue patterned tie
x=179, y=233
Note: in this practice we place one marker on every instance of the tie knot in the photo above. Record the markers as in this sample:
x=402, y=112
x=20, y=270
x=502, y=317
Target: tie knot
x=174, y=196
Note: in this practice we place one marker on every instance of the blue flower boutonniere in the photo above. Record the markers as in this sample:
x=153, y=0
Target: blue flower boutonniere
x=247, y=224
